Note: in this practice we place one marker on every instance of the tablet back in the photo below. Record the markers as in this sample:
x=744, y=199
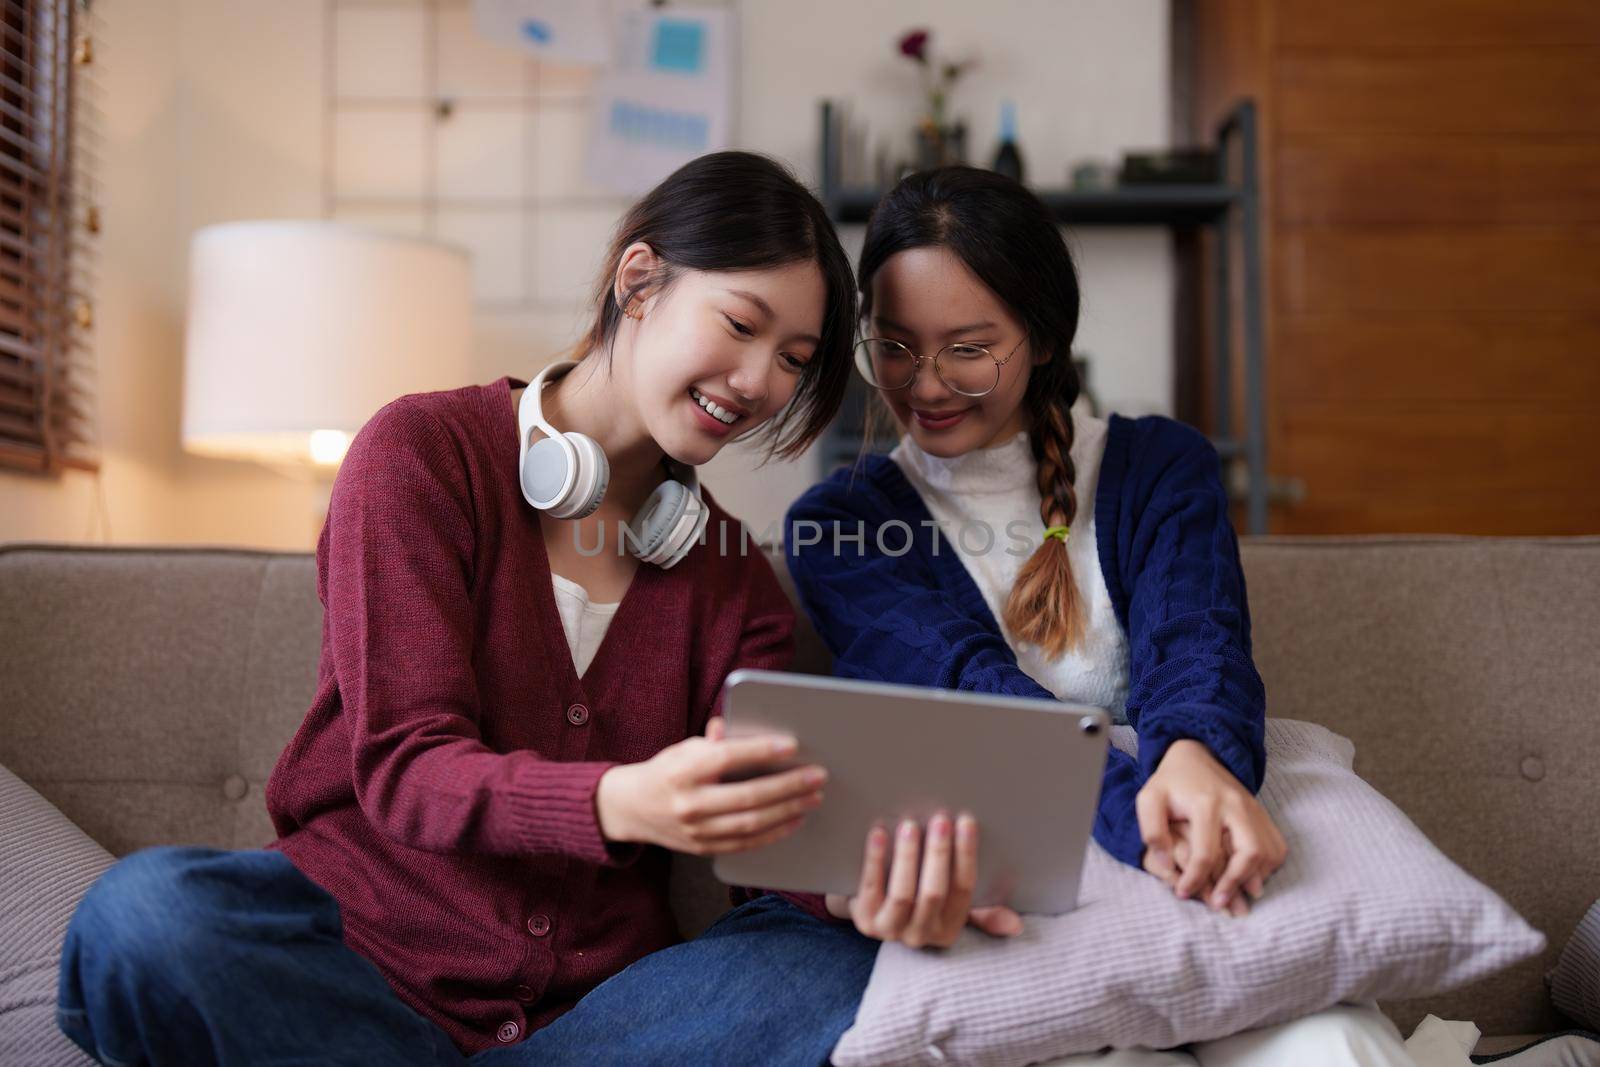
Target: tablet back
x=1030, y=771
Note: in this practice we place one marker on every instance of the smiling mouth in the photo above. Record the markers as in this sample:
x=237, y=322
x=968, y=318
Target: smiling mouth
x=714, y=409
x=939, y=419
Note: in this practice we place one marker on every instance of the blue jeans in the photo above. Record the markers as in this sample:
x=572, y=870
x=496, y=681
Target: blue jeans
x=192, y=956
x=766, y=984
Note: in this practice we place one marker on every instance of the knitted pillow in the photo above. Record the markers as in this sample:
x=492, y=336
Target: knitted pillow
x=1575, y=981
x=46, y=865
x=1365, y=908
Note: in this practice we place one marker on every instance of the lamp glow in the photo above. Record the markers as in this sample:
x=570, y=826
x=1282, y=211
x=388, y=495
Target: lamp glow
x=329, y=446
x=298, y=332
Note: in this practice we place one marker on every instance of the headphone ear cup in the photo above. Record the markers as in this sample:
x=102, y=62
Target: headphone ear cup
x=657, y=519
x=668, y=525
x=593, y=475
x=544, y=472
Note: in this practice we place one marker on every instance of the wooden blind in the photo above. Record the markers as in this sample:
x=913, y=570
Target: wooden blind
x=49, y=222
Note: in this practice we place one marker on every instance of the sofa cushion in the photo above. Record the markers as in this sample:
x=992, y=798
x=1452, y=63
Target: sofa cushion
x=1364, y=908
x=1466, y=670
x=46, y=865
x=150, y=690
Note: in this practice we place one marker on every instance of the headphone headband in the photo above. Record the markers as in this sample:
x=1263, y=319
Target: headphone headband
x=531, y=409
x=673, y=530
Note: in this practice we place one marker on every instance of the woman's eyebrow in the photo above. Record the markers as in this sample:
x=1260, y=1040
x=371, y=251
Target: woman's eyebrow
x=766, y=309
x=971, y=327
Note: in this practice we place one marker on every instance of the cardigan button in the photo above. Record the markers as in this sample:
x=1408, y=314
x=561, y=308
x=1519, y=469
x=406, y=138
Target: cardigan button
x=508, y=1032
x=234, y=787
x=525, y=994
x=577, y=715
x=539, y=925
x=1532, y=768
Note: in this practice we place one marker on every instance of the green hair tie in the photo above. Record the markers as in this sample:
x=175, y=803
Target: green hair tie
x=1059, y=532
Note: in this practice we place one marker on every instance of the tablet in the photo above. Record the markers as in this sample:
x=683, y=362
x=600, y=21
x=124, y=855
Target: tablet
x=1029, y=770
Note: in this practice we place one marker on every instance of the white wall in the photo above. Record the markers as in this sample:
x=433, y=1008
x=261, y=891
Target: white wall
x=1089, y=78
x=209, y=112
x=213, y=110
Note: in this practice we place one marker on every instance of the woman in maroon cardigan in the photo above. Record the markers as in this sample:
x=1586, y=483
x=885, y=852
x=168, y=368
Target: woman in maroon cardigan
x=473, y=828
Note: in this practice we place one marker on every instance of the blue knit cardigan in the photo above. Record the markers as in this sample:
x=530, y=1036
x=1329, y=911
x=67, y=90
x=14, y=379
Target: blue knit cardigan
x=1171, y=564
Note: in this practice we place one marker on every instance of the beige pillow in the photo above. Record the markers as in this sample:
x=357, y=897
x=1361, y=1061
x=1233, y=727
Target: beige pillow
x=46, y=865
x=1366, y=908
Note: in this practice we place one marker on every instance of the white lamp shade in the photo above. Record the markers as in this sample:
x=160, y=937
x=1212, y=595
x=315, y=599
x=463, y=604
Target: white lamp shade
x=299, y=331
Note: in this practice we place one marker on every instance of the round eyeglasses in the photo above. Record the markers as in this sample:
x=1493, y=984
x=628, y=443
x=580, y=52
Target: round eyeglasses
x=968, y=369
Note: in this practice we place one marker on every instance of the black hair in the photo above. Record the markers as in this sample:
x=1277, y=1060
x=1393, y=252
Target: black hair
x=1010, y=240
x=742, y=211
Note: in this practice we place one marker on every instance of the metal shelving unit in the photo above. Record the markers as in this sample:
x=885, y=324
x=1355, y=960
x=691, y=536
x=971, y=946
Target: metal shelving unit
x=1228, y=206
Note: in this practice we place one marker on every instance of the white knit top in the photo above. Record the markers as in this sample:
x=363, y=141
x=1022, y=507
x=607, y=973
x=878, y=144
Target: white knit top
x=585, y=623
x=996, y=487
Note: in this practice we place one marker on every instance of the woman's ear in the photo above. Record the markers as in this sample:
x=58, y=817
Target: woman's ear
x=638, y=272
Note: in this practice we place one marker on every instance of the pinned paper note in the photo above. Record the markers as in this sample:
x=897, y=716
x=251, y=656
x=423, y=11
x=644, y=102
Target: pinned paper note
x=667, y=97
x=677, y=45
x=576, y=32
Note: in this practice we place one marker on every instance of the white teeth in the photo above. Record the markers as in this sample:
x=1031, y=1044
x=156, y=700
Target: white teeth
x=718, y=412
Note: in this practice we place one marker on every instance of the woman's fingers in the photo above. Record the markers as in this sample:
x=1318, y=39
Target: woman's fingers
x=869, y=895
x=746, y=824
x=933, y=887
x=1205, y=851
x=1180, y=856
x=1248, y=854
x=1244, y=861
x=902, y=891
x=1158, y=861
x=1151, y=807
x=757, y=793
x=743, y=844
x=964, y=880
x=964, y=875
x=922, y=894
x=716, y=728
x=947, y=882
x=743, y=757
x=996, y=921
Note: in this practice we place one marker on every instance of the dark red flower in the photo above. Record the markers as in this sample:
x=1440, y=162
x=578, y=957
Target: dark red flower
x=915, y=45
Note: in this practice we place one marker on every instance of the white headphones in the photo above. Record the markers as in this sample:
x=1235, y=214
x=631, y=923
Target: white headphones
x=566, y=474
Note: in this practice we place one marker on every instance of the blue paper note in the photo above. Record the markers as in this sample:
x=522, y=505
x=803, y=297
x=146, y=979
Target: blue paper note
x=679, y=46
x=669, y=129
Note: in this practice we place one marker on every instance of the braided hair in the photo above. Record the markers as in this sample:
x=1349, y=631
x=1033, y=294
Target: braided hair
x=1011, y=242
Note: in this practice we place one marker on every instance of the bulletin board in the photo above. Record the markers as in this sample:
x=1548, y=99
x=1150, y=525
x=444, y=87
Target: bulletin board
x=432, y=130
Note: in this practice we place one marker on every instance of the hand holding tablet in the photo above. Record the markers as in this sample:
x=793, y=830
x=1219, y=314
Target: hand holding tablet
x=1027, y=771
x=927, y=903
x=678, y=798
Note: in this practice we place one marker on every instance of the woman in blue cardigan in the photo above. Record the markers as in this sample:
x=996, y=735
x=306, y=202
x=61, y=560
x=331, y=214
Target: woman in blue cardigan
x=1014, y=543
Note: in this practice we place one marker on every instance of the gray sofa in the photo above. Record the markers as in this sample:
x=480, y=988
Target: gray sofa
x=147, y=692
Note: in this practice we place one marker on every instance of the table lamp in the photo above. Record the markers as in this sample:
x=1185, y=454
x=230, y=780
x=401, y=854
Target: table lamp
x=299, y=331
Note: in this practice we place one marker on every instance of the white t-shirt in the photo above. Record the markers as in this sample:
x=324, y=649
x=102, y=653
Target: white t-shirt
x=584, y=623
x=997, y=486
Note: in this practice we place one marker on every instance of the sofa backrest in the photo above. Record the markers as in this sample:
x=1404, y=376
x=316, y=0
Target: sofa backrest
x=147, y=692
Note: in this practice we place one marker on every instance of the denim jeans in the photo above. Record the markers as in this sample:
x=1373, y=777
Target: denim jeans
x=191, y=956
x=765, y=984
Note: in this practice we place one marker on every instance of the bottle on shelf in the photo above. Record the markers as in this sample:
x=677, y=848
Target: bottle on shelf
x=1008, y=159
